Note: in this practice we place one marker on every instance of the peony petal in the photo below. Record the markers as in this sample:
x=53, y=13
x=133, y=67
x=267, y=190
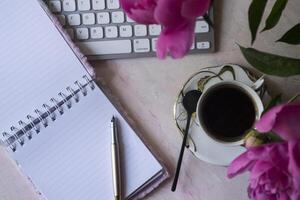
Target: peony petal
x=264, y=179
x=260, y=195
x=177, y=42
x=167, y=13
x=260, y=168
x=267, y=121
x=278, y=179
x=245, y=161
x=283, y=196
x=239, y=165
x=277, y=153
x=142, y=11
x=192, y=9
x=275, y=170
x=127, y=4
x=260, y=152
x=294, y=164
x=287, y=123
x=283, y=120
x=295, y=195
x=142, y=16
x=178, y=31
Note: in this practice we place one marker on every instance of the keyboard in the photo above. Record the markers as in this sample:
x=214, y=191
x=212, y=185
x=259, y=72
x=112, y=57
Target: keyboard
x=102, y=31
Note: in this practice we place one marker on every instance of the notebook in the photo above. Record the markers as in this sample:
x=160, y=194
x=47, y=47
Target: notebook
x=55, y=121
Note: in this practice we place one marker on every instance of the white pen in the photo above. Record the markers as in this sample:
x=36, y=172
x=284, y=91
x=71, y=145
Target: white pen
x=115, y=160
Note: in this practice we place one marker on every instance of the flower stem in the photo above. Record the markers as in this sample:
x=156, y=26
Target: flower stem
x=294, y=97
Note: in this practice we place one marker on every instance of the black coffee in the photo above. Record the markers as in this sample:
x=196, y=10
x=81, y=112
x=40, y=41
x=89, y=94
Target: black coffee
x=227, y=112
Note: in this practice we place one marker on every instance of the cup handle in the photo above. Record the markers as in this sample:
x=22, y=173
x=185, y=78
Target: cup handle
x=258, y=83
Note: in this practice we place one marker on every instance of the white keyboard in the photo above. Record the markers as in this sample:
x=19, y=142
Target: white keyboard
x=102, y=30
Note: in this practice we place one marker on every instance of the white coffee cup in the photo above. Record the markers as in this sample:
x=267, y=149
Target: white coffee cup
x=255, y=99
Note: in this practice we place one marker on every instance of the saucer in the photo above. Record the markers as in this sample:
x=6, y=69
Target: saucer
x=200, y=144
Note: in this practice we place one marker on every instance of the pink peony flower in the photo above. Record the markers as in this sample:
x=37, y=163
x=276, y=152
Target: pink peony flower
x=177, y=18
x=283, y=120
x=274, y=168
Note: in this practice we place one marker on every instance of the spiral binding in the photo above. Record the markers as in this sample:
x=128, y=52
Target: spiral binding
x=18, y=135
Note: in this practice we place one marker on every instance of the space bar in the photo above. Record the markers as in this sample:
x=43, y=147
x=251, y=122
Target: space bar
x=105, y=47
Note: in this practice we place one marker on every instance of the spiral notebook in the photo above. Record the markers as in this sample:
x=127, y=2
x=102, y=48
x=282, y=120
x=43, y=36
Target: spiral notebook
x=54, y=118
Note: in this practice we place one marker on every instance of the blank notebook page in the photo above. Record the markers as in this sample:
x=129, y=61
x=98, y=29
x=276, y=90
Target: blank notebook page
x=69, y=159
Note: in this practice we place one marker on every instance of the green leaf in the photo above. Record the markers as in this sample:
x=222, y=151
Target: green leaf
x=272, y=137
x=275, y=101
x=255, y=138
x=271, y=64
x=296, y=96
x=292, y=36
x=275, y=14
x=255, y=13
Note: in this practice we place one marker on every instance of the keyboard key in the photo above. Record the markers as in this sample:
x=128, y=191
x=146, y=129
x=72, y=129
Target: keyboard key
x=153, y=44
x=101, y=27
x=62, y=19
x=128, y=19
x=141, y=45
x=70, y=32
x=82, y=33
x=74, y=19
x=54, y=6
x=112, y=4
x=203, y=45
x=154, y=29
x=125, y=31
x=88, y=18
x=140, y=30
x=83, y=5
x=117, y=17
x=103, y=18
x=111, y=32
x=98, y=4
x=201, y=27
x=105, y=47
x=96, y=32
x=69, y=5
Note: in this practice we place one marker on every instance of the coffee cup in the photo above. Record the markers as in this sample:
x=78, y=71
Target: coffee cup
x=227, y=110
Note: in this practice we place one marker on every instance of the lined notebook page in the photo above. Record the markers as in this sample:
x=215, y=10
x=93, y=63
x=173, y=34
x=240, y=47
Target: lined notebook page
x=35, y=61
x=69, y=159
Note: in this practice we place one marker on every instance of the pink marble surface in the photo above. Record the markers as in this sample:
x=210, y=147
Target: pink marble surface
x=148, y=87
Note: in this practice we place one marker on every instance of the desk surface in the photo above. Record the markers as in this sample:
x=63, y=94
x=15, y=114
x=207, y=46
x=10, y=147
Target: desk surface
x=147, y=88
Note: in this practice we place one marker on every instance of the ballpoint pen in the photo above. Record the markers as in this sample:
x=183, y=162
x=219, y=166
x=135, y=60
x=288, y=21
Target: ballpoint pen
x=115, y=160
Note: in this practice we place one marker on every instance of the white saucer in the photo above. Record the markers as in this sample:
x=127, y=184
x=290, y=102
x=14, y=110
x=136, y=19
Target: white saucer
x=200, y=144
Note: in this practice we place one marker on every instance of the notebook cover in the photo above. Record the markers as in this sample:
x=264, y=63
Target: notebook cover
x=164, y=174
